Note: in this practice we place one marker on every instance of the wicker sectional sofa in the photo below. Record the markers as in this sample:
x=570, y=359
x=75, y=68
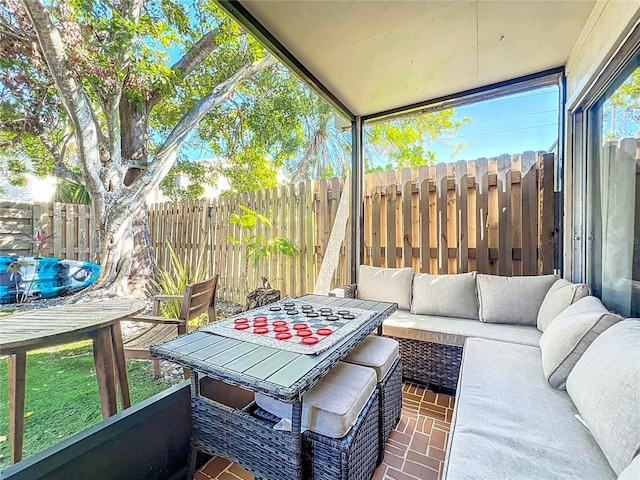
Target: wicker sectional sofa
x=540, y=393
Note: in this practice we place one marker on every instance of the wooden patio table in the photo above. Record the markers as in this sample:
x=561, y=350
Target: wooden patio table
x=228, y=429
x=96, y=320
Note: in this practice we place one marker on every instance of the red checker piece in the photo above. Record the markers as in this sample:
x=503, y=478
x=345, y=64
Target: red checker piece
x=324, y=331
x=260, y=319
x=280, y=329
x=304, y=333
x=259, y=324
x=283, y=336
x=279, y=323
x=241, y=320
x=241, y=326
x=300, y=326
x=260, y=330
x=309, y=340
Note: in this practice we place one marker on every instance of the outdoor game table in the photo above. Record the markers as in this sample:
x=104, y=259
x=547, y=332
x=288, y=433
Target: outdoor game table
x=222, y=420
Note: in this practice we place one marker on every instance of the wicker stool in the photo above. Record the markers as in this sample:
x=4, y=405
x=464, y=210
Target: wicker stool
x=381, y=354
x=340, y=413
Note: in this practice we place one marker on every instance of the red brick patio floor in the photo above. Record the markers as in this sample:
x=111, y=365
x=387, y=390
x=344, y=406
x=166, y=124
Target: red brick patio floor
x=415, y=450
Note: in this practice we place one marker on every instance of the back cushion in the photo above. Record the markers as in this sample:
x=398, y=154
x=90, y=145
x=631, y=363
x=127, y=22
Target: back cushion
x=561, y=294
x=445, y=295
x=604, y=386
x=569, y=335
x=386, y=285
x=514, y=300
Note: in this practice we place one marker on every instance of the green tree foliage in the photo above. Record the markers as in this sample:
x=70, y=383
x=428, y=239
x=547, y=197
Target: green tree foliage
x=408, y=141
x=621, y=112
x=254, y=245
x=69, y=192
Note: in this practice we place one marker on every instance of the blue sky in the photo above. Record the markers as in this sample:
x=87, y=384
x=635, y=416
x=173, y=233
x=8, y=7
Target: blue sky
x=512, y=124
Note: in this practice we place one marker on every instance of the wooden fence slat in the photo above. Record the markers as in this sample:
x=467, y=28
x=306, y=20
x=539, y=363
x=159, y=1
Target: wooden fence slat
x=546, y=199
x=415, y=224
x=407, y=246
x=348, y=237
x=482, y=207
x=311, y=229
x=463, y=219
x=376, y=232
x=529, y=221
x=443, y=244
x=505, y=245
x=425, y=238
x=334, y=195
x=516, y=212
x=390, y=251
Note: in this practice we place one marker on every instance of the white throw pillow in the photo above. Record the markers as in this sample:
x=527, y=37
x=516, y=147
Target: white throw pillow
x=569, y=335
x=386, y=285
x=513, y=300
x=445, y=295
x=561, y=294
x=605, y=388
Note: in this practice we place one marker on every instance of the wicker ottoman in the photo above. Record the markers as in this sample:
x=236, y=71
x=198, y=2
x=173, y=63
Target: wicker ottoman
x=381, y=354
x=335, y=446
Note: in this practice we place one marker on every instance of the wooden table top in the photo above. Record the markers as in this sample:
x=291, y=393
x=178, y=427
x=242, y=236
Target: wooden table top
x=277, y=373
x=51, y=326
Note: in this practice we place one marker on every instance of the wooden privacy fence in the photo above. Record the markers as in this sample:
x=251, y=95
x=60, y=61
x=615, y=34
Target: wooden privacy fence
x=69, y=224
x=301, y=213
x=492, y=216
x=489, y=215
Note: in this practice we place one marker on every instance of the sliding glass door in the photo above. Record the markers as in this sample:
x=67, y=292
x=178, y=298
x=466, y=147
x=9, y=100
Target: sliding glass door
x=613, y=193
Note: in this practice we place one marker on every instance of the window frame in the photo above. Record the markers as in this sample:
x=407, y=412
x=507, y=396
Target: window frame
x=578, y=238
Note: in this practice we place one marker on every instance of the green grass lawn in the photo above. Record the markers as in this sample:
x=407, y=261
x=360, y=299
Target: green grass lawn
x=62, y=396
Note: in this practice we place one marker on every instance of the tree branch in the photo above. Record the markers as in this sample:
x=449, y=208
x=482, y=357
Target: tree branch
x=69, y=175
x=216, y=97
x=166, y=157
x=9, y=31
x=190, y=61
x=73, y=97
x=138, y=163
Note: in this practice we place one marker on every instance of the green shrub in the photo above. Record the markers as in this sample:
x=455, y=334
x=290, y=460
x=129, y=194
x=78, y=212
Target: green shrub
x=174, y=279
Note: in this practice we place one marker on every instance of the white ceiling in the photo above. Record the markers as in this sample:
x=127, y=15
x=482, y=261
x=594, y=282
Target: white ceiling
x=380, y=55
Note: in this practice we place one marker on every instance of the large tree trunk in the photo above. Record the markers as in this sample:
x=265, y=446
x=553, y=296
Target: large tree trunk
x=134, y=121
x=127, y=262
x=143, y=267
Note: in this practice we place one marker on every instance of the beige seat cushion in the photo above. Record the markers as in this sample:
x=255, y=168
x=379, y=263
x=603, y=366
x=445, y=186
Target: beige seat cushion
x=375, y=352
x=514, y=300
x=454, y=331
x=561, y=294
x=632, y=472
x=569, y=335
x=604, y=386
x=445, y=295
x=331, y=407
x=386, y=285
x=510, y=424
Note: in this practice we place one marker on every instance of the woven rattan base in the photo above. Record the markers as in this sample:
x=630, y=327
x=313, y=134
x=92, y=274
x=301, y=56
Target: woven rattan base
x=352, y=457
x=244, y=439
x=390, y=390
x=431, y=364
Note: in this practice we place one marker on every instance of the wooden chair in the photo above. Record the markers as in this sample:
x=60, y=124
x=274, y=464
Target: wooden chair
x=198, y=298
